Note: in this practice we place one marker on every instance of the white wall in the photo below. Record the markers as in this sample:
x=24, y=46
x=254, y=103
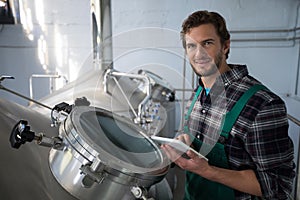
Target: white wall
x=268, y=61
x=55, y=38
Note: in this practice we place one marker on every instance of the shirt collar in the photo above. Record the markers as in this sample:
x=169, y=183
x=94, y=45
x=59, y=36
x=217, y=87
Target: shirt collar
x=237, y=72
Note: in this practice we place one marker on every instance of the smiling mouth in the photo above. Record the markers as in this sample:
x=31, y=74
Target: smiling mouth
x=202, y=62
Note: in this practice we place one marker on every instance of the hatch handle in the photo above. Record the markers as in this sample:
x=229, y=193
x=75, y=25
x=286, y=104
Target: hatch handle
x=21, y=134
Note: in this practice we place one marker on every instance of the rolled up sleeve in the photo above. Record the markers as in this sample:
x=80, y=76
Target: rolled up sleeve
x=272, y=151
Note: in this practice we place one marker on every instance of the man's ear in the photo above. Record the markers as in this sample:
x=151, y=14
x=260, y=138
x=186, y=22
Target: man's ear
x=226, y=46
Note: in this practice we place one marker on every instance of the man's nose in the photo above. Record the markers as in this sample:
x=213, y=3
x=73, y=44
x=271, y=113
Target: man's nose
x=200, y=51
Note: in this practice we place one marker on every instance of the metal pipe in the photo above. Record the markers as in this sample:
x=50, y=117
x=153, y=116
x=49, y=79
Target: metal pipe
x=290, y=30
x=123, y=93
x=141, y=107
x=102, y=32
x=4, y=77
x=297, y=73
x=24, y=97
x=293, y=119
x=298, y=67
x=148, y=89
x=184, y=89
x=50, y=76
x=266, y=30
x=266, y=39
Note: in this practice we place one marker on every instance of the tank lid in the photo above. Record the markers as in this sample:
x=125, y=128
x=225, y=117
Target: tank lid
x=115, y=140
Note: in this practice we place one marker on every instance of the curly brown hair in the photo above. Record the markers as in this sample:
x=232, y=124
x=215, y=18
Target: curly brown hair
x=205, y=17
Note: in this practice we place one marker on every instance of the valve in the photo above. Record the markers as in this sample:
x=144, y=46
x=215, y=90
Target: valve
x=21, y=134
x=60, y=111
x=140, y=193
x=170, y=96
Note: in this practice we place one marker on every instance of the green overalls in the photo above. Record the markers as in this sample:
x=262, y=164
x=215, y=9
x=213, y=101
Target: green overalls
x=197, y=187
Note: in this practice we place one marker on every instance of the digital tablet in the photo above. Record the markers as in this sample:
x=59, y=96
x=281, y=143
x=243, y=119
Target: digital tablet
x=176, y=144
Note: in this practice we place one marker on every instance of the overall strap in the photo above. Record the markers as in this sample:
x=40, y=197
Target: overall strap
x=186, y=117
x=234, y=113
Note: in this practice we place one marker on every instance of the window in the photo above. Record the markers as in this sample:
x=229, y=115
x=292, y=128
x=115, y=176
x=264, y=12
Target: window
x=6, y=15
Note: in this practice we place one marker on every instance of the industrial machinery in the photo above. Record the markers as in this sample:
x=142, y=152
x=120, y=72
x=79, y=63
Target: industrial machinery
x=99, y=147
x=95, y=133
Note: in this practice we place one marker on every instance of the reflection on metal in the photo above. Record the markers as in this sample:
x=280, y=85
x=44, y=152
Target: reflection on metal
x=48, y=76
x=102, y=32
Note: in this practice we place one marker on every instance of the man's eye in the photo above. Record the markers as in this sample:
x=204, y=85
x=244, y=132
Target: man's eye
x=190, y=46
x=207, y=43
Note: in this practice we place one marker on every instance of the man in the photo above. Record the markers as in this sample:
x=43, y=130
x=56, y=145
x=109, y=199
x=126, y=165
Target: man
x=250, y=155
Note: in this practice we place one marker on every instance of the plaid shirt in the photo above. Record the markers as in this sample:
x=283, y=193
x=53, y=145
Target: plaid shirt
x=258, y=140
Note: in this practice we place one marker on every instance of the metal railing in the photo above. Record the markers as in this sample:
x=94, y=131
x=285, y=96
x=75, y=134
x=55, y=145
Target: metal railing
x=48, y=76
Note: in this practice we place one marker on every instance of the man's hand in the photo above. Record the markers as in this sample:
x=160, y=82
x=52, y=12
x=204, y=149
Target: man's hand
x=244, y=180
x=193, y=163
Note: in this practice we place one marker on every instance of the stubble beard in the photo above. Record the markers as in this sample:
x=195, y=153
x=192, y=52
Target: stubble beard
x=213, y=69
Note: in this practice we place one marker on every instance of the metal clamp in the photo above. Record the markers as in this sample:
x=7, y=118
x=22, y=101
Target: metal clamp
x=94, y=173
x=140, y=193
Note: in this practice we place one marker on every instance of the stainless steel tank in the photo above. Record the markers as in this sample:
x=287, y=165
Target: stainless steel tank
x=96, y=150
x=105, y=150
x=105, y=156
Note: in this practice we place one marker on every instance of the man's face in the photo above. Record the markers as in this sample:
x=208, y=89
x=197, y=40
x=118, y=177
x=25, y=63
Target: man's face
x=204, y=50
